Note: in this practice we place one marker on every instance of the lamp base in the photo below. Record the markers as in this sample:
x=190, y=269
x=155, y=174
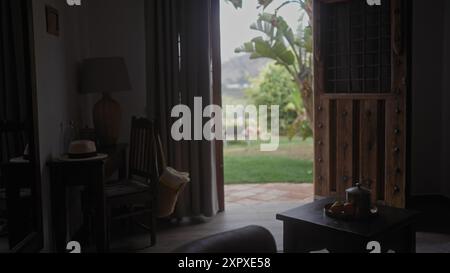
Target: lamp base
x=107, y=120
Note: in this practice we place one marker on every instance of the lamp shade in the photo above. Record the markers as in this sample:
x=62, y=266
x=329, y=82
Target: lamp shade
x=104, y=75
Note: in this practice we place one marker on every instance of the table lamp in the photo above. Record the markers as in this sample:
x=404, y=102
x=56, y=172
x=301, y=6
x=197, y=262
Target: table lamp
x=105, y=75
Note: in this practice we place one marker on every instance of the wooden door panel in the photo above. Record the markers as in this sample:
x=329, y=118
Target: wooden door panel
x=395, y=190
x=368, y=146
x=344, y=145
x=360, y=99
x=395, y=153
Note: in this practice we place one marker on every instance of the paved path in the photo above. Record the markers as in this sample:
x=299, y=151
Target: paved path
x=254, y=194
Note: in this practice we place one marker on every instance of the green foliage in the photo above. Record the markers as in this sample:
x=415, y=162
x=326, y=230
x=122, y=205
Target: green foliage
x=279, y=42
x=264, y=3
x=267, y=169
x=236, y=3
x=293, y=52
x=274, y=86
x=277, y=35
x=292, y=162
x=300, y=125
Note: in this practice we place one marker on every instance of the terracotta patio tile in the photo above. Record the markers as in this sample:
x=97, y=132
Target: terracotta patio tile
x=247, y=202
x=266, y=197
x=251, y=194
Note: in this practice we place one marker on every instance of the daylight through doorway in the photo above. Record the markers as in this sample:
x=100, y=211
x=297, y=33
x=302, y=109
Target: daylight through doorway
x=251, y=175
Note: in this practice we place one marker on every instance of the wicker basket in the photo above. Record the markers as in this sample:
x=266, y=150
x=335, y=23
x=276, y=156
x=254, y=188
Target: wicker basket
x=172, y=184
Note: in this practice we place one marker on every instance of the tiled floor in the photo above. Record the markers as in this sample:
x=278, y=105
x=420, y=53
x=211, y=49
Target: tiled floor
x=255, y=194
x=255, y=204
x=237, y=216
x=251, y=205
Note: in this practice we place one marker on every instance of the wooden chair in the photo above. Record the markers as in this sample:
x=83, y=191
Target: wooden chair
x=138, y=193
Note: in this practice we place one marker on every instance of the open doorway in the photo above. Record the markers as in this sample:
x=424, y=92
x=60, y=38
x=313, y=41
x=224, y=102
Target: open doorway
x=266, y=61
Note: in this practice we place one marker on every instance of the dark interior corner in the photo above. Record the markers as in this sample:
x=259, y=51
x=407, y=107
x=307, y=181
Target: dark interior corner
x=431, y=218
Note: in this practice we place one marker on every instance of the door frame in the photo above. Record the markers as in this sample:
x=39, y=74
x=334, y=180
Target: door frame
x=409, y=122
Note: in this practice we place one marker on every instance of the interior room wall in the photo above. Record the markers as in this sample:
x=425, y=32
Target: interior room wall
x=98, y=28
x=117, y=28
x=429, y=113
x=426, y=95
x=56, y=66
x=446, y=105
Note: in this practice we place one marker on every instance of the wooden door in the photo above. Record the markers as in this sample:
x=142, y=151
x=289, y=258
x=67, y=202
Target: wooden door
x=360, y=98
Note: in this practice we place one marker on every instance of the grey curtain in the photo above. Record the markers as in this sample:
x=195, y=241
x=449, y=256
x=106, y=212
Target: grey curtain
x=182, y=63
x=15, y=83
x=15, y=114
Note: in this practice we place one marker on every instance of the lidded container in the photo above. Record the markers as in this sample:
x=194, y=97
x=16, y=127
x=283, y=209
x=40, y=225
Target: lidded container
x=360, y=197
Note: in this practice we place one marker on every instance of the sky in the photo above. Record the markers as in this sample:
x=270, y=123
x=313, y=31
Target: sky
x=235, y=24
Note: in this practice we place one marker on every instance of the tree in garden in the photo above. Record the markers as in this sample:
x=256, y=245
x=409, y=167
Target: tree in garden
x=293, y=51
x=274, y=86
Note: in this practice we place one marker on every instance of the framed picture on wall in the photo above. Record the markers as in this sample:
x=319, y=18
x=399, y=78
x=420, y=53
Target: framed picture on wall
x=52, y=18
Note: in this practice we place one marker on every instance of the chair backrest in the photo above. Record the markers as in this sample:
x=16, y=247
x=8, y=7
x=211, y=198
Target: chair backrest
x=143, y=152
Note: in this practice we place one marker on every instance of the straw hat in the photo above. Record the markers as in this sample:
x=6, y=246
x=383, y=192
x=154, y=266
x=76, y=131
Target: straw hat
x=83, y=150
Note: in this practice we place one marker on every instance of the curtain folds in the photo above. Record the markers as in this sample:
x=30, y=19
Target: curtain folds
x=15, y=83
x=181, y=65
x=14, y=61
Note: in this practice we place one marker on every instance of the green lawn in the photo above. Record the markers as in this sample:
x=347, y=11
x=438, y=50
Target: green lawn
x=293, y=162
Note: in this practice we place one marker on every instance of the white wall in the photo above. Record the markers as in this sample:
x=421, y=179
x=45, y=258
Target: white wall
x=117, y=28
x=56, y=64
x=97, y=28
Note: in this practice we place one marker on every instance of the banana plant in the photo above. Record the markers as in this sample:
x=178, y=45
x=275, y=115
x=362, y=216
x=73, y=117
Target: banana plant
x=300, y=124
x=292, y=50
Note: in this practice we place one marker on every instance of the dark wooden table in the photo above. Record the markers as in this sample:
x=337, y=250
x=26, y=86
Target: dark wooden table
x=92, y=175
x=308, y=229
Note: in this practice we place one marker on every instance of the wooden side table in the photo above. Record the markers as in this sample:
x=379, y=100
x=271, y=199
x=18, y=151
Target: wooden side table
x=92, y=175
x=308, y=229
